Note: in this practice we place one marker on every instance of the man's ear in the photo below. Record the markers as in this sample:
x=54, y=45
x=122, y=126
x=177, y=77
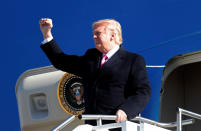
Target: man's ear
x=113, y=36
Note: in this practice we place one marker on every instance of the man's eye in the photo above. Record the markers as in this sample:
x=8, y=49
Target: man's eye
x=98, y=33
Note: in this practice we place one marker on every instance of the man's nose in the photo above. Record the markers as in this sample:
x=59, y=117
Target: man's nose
x=94, y=36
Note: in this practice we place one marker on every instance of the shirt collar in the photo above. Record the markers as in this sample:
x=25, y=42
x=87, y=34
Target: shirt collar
x=112, y=51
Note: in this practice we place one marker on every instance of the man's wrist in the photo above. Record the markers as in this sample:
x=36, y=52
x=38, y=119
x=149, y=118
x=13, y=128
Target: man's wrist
x=47, y=35
x=47, y=40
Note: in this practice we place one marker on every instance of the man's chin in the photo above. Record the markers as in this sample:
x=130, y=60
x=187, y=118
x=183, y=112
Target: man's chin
x=98, y=46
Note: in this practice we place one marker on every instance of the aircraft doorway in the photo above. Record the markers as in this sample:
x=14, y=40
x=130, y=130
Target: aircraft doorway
x=181, y=87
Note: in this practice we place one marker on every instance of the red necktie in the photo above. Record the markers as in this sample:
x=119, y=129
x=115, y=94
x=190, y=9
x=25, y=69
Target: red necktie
x=103, y=61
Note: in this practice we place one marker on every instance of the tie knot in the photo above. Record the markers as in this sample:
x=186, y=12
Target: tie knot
x=104, y=60
x=104, y=57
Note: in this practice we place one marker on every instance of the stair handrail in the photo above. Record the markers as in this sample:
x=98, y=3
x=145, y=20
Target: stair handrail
x=140, y=119
x=181, y=112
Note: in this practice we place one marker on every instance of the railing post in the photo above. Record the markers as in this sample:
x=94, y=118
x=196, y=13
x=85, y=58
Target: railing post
x=99, y=122
x=179, y=119
x=141, y=126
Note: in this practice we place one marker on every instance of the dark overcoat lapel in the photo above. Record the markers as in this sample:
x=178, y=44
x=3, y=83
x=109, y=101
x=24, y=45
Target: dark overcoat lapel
x=115, y=60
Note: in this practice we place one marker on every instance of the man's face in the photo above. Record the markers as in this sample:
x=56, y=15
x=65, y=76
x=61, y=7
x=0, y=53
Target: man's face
x=103, y=38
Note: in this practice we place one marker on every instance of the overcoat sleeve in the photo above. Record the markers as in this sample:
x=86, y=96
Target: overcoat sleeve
x=68, y=63
x=138, y=89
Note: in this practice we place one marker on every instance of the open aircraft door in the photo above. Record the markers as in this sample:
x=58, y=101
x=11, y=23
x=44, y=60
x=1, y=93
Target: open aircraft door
x=181, y=87
x=38, y=104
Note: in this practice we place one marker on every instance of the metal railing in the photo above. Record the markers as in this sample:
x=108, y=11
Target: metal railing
x=64, y=123
x=161, y=124
x=99, y=119
x=181, y=112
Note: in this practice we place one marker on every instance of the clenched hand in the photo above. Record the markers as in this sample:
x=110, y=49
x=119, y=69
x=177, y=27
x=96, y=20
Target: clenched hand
x=121, y=116
x=45, y=27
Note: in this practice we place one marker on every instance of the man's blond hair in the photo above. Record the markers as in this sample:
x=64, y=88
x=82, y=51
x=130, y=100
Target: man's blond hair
x=113, y=25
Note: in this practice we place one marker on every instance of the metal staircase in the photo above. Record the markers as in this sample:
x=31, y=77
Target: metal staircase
x=136, y=124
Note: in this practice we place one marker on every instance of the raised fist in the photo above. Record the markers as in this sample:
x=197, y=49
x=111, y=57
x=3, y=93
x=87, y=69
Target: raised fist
x=45, y=27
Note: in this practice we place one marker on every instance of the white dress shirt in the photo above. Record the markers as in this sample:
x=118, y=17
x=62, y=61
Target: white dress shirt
x=112, y=52
x=47, y=40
